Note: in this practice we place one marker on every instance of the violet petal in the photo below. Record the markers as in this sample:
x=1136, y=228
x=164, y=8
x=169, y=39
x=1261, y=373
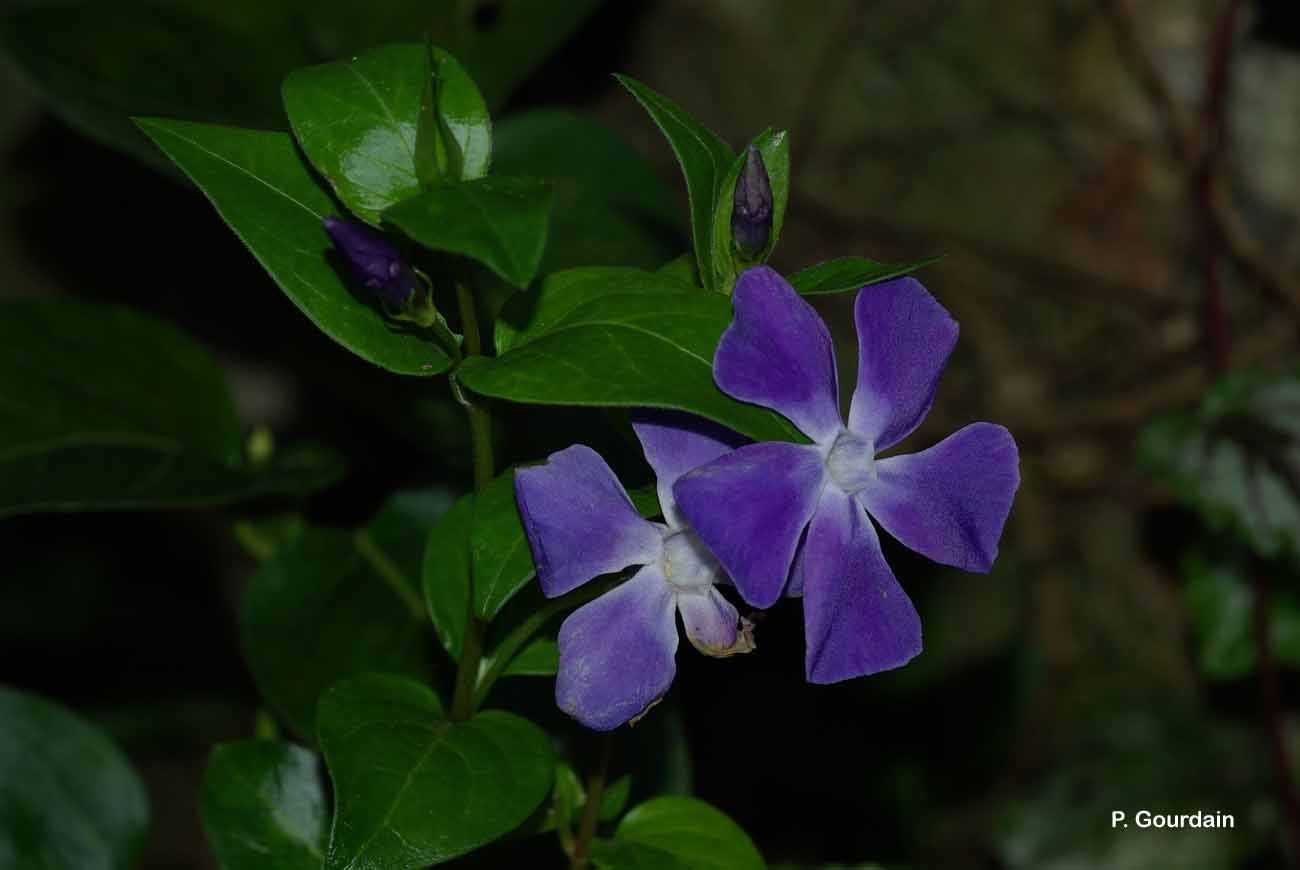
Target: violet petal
x=749, y=507
x=710, y=620
x=616, y=653
x=675, y=443
x=949, y=502
x=579, y=520
x=857, y=619
x=777, y=353
x=904, y=339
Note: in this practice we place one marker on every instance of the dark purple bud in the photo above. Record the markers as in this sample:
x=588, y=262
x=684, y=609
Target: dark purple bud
x=373, y=260
x=751, y=210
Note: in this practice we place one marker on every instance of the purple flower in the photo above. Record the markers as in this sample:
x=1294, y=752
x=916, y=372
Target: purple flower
x=373, y=260
x=617, y=652
x=773, y=510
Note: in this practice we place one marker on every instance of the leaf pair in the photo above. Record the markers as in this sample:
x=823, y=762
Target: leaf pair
x=411, y=787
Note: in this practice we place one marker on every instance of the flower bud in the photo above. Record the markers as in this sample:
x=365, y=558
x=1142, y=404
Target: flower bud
x=374, y=261
x=751, y=210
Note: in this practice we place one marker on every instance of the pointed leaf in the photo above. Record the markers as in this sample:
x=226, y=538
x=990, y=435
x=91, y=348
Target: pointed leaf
x=77, y=432
x=414, y=788
x=704, y=159
x=850, y=274
x=263, y=190
x=68, y=798
x=628, y=350
x=500, y=221
x=264, y=806
x=332, y=603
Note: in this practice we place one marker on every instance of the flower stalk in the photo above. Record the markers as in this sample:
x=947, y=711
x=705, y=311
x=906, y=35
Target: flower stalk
x=480, y=428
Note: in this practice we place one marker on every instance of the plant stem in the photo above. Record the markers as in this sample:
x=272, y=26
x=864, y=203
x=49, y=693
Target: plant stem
x=480, y=430
x=1271, y=707
x=591, y=810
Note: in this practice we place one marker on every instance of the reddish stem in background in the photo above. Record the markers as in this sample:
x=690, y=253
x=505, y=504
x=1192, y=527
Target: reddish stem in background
x=1270, y=700
x=1219, y=62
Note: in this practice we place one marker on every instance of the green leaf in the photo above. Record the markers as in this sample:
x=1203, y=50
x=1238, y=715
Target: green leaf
x=668, y=833
x=502, y=559
x=500, y=221
x=610, y=206
x=541, y=658
x=357, y=121
x=533, y=313
x=775, y=148
x=481, y=534
x=446, y=572
x=414, y=788
x=263, y=190
x=264, y=806
x=78, y=432
x=68, y=798
x=628, y=350
x=849, y=274
x=101, y=63
x=1236, y=459
x=704, y=159
x=1221, y=604
x=332, y=604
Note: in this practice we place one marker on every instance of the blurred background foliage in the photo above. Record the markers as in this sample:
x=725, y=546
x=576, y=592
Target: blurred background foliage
x=1115, y=188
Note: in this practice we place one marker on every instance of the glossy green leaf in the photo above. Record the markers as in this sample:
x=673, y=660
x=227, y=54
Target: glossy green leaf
x=705, y=160
x=533, y=313
x=849, y=274
x=260, y=186
x=414, y=788
x=775, y=148
x=610, y=206
x=68, y=798
x=1236, y=458
x=677, y=833
x=500, y=221
x=332, y=604
x=1221, y=602
x=264, y=806
x=628, y=350
x=77, y=432
x=357, y=122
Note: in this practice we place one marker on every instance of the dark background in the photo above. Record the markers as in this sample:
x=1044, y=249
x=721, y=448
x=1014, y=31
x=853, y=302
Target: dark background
x=1022, y=139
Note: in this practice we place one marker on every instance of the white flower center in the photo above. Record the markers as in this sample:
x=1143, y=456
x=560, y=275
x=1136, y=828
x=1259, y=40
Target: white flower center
x=851, y=462
x=687, y=563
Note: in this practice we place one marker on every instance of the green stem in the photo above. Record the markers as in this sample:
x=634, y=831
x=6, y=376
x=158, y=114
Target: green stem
x=591, y=811
x=480, y=430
